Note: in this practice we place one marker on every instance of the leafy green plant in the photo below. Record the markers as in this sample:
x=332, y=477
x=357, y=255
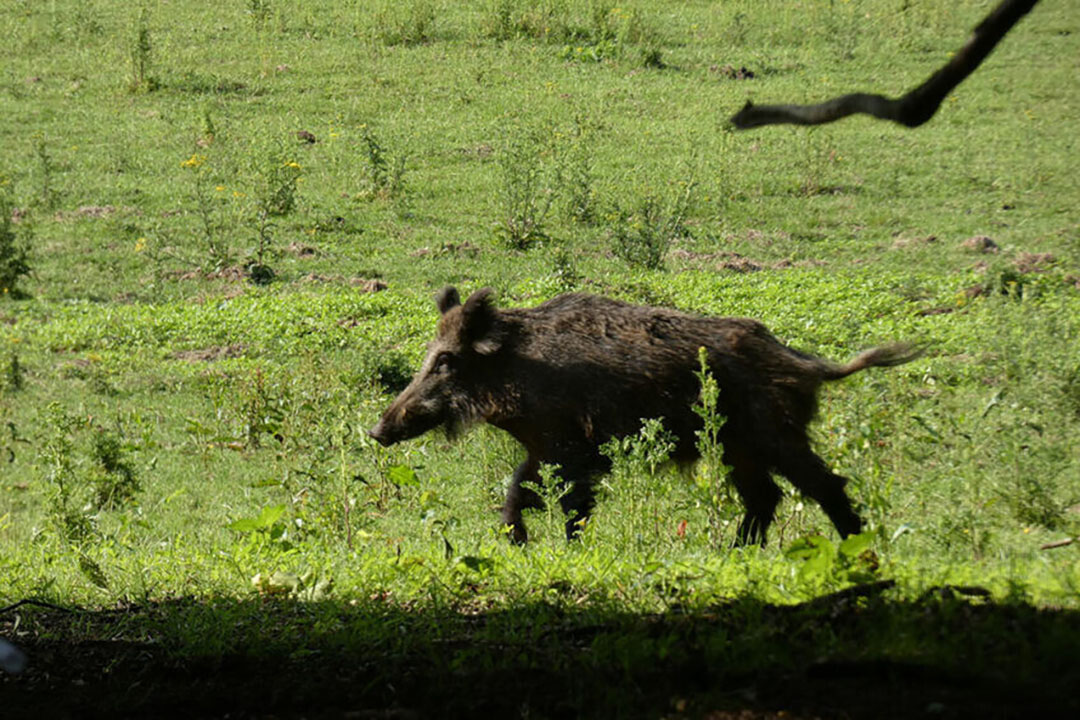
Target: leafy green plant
x=266, y=527
x=527, y=188
x=577, y=172
x=278, y=182
x=259, y=11
x=258, y=270
x=47, y=195
x=68, y=516
x=711, y=474
x=140, y=52
x=385, y=170
x=210, y=207
x=263, y=410
x=823, y=564
x=551, y=489
x=435, y=516
x=12, y=378
x=635, y=462
x=510, y=19
x=114, y=480
x=405, y=23
x=566, y=275
x=642, y=235
x=14, y=250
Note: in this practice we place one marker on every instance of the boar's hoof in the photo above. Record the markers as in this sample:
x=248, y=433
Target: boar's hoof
x=517, y=533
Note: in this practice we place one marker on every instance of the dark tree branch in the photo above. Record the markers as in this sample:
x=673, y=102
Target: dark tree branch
x=912, y=109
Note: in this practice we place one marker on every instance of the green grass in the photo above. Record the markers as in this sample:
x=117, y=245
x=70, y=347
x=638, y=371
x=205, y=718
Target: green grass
x=149, y=172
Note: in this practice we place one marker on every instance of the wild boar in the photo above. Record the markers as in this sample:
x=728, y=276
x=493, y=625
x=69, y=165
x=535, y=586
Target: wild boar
x=567, y=375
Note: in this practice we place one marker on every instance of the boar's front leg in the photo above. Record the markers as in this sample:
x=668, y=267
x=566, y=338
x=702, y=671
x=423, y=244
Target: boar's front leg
x=519, y=498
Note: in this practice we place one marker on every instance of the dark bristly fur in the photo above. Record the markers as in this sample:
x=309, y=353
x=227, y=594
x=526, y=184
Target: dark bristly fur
x=566, y=376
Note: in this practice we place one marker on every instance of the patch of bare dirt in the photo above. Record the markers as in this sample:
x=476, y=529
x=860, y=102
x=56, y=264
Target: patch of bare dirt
x=904, y=241
x=301, y=250
x=980, y=244
x=736, y=262
x=233, y=273
x=731, y=72
x=366, y=285
x=740, y=265
x=210, y=354
x=813, y=262
x=465, y=248
x=91, y=212
x=1034, y=262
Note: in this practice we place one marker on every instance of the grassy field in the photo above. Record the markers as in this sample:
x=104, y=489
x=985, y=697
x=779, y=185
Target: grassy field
x=221, y=229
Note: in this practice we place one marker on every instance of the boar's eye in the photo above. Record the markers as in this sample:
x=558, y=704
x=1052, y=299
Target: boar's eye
x=444, y=362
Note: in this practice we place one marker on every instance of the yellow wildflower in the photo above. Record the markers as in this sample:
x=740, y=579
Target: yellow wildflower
x=140, y=244
x=194, y=161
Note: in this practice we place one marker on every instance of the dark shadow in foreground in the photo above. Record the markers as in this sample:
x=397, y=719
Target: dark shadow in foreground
x=854, y=654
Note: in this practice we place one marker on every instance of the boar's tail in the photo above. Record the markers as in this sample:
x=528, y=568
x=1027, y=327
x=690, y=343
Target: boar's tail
x=884, y=356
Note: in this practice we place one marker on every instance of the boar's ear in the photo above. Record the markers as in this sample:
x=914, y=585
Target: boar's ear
x=480, y=323
x=447, y=298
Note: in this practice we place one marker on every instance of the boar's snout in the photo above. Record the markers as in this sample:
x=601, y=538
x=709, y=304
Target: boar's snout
x=380, y=435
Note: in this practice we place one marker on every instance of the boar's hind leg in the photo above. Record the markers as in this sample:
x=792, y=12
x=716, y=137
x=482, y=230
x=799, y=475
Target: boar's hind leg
x=812, y=477
x=577, y=503
x=759, y=494
x=519, y=498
